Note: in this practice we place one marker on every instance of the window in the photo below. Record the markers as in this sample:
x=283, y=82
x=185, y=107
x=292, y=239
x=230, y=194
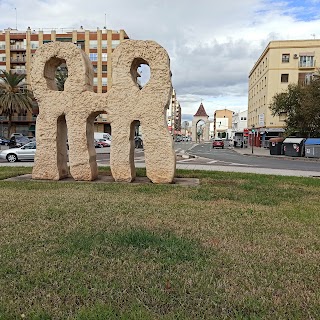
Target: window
x=2, y=57
x=284, y=77
x=80, y=44
x=93, y=44
x=104, y=69
x=104, y=44
x=34, y=44
x=104, y=81
x=104, y=57
x=93, y=56
x=2, y=45
x=115, y=43
x=306, y=61
x=95, y=81
x=285, y=57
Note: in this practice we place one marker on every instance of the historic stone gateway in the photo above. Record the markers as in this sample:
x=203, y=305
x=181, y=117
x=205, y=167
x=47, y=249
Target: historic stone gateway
x=71, y=113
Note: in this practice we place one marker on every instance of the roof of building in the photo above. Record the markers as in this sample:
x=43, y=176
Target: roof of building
x=201, y=112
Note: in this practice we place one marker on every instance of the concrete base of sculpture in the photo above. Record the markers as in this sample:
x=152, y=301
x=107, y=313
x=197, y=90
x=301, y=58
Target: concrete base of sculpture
x=70, y=114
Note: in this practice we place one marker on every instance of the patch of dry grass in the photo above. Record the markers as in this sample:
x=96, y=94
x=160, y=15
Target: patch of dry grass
x=239, y=246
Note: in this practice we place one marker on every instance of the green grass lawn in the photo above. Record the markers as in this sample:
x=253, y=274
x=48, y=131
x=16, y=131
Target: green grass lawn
x=239, y=246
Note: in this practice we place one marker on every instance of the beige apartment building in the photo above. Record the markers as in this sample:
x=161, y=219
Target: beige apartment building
x=281, y=63
x=222, y=123
x=18, y=47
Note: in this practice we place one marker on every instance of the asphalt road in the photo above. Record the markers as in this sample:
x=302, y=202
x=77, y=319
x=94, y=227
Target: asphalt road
x=227, y=157
x=207, y=156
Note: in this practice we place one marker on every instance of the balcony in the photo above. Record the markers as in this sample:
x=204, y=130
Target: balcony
x=18, y=60
x=307, y=64
x=18, y=71
x=17, y=48
x=28, y=118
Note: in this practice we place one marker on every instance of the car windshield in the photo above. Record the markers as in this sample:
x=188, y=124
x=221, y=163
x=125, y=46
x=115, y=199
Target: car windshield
x=30, y=145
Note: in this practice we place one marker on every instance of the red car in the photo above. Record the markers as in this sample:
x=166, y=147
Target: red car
x=217, y=143
x=104, y=143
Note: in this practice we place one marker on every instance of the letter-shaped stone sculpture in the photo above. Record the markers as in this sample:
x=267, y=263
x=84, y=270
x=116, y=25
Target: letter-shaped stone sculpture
x=71, y=113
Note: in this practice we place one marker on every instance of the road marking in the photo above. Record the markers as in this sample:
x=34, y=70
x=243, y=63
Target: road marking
x=213, y=161
x=185, y=160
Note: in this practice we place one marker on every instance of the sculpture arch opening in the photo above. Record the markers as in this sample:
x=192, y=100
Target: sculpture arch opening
x=56, y=73
x=140, y=69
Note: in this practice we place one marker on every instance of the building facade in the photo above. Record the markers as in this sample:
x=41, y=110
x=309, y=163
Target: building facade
x=239, y=122
x=281, y=63
x=174, y=115
x=18, y=47
x=222, y=123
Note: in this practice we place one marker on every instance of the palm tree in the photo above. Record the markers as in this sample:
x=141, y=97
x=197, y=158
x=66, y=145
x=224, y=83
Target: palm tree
x=13, y=97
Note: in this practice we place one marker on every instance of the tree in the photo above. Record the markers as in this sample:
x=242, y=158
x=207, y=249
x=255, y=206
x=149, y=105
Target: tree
x=14, y=98
x=61, y=76
x=301, y=106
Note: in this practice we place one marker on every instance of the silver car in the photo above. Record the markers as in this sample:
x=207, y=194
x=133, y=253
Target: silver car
x=26, y=152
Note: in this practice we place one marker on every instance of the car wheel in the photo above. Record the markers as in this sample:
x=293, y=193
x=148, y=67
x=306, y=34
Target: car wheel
x=11, y=157
x=222, y=147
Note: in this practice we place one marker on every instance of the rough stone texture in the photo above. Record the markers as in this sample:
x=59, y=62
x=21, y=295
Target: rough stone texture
x=72, y=112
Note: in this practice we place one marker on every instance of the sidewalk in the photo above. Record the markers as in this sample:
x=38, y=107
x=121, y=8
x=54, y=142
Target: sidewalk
x=264, y=152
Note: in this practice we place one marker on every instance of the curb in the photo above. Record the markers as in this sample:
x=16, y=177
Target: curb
x=280, y=157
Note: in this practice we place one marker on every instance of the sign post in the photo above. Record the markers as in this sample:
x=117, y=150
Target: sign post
x=252, y=139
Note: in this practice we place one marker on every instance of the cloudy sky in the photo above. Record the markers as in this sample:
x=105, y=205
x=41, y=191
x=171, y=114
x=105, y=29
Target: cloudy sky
x=212, y=44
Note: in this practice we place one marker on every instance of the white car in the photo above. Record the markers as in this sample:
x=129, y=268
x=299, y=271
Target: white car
x=26, y=152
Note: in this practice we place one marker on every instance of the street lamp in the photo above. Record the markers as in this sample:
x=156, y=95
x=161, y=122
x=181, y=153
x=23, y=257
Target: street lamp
x=252, y=133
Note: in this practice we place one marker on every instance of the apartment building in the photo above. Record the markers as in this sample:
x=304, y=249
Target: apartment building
x=239, y=122
x=222, y=123
x=281, y=63
x=174, y=115
x=18, y=47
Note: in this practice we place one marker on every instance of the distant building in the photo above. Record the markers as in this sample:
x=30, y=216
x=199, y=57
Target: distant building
x=222, y=123
x=18, y=47
x=200, y=125
x=174, y=115
x=281, y=63
x=239, y=122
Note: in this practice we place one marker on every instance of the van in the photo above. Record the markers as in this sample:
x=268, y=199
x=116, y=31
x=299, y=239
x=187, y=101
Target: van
x=102, y=135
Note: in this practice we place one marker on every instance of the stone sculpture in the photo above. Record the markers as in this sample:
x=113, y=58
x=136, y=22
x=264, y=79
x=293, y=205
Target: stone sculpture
x=71, y=113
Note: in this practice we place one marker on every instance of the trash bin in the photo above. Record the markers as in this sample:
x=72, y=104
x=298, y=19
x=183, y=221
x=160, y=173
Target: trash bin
x=275, y=146
x=293, y=147
x=312, y=148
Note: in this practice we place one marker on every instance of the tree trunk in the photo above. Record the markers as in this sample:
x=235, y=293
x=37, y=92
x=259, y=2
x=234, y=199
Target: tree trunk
x=9, y=125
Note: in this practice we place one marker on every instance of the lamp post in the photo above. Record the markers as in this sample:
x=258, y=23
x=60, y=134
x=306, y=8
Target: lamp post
x=252, y=134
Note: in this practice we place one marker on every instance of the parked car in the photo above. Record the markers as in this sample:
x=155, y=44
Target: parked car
x=18, y=141
x=217, y=143
x=104, y=142
x=138, y=142
x=26, y=152
x=96, y=144
x=15, y=134
x=4, y=141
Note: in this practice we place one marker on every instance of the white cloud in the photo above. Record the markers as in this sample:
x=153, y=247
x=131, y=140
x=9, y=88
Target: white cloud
x=212, y=44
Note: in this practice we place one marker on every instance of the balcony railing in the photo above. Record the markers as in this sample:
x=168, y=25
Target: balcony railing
x=308, y=64
x=19, y=71
x=28, y=118
x=18, y=60
x=18, y=47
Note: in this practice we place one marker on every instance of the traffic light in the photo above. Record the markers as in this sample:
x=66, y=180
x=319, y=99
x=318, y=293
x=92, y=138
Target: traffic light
x=252, y=130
